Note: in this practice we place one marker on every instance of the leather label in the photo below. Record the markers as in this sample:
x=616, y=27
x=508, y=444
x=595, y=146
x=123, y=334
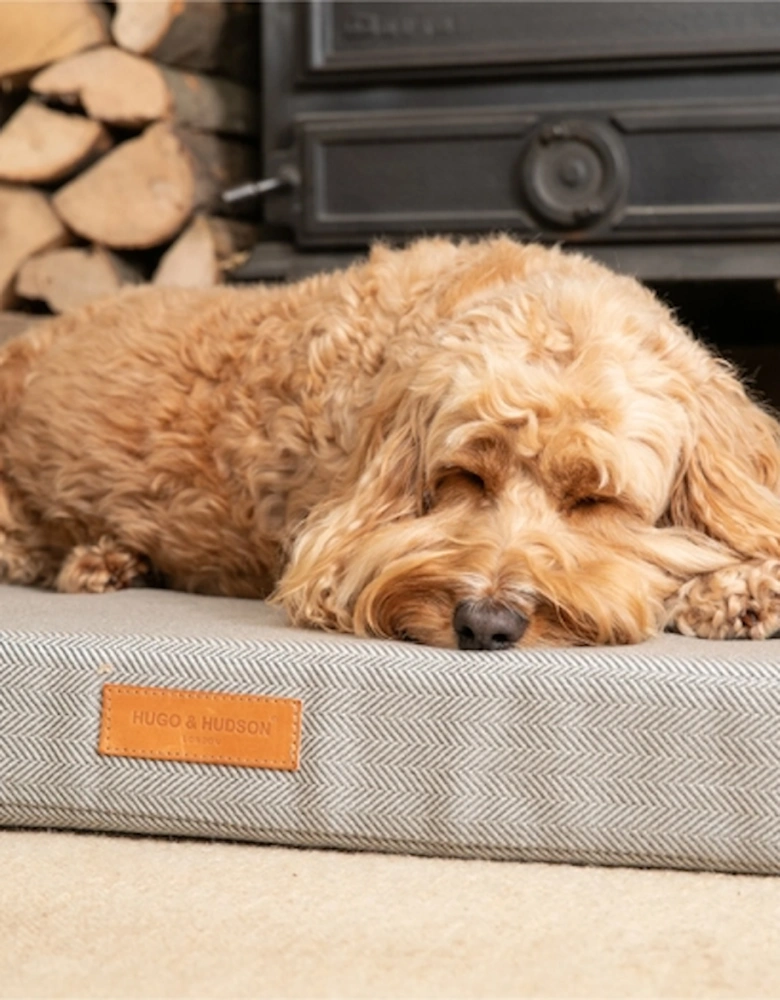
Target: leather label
x=200, y=727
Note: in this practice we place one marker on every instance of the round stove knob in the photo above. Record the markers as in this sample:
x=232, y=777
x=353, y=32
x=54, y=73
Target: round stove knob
x=574, y=173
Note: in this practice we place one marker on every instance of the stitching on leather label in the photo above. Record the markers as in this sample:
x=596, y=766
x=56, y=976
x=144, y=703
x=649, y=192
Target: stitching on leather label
x=200, y=727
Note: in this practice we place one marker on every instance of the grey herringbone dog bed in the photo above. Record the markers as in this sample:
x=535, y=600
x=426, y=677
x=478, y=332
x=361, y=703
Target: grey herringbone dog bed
x=664, y=754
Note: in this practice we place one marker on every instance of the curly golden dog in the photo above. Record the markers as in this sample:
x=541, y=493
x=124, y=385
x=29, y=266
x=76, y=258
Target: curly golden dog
x=477, y=445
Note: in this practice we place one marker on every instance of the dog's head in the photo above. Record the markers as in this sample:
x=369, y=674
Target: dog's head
x=525, y=484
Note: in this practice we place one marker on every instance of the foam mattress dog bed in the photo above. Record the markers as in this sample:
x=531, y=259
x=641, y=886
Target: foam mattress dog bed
x=164, y=713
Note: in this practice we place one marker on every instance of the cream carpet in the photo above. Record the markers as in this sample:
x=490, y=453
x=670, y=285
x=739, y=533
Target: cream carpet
x=98, y=916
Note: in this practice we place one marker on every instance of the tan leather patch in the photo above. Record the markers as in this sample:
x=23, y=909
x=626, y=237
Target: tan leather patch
x=200, y=727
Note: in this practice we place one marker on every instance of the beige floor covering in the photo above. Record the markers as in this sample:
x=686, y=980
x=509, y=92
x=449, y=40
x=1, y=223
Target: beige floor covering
x=96, y=916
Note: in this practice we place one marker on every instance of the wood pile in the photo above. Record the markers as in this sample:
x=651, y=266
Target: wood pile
x=128, y=122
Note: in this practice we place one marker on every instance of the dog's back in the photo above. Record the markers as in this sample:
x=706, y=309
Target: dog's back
x=196, y=427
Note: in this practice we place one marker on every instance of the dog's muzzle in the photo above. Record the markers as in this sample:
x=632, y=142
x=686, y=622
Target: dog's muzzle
x=486, y=624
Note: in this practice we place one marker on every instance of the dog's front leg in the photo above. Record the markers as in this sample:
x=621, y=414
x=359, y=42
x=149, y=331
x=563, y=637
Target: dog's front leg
x=741, y=601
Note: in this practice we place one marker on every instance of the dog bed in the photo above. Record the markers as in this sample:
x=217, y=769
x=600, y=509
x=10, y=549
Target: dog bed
x=661, y=754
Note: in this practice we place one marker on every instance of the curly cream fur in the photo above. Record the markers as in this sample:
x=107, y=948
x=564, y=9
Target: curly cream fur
x=451, y=422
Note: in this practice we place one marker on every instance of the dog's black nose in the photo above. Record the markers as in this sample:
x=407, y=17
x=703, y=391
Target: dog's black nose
x=487, y=625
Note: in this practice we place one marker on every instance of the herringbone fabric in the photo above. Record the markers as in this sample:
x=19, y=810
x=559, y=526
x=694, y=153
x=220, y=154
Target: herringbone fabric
x=664, y=754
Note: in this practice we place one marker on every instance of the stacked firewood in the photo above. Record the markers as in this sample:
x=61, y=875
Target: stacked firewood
x=130, y=119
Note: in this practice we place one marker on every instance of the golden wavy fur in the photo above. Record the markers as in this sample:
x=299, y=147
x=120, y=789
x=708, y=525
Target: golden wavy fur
x=475, y=444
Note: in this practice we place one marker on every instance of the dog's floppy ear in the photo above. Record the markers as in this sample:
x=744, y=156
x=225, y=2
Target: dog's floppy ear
x=351, y=534
x=390, y=460
x=730, y=473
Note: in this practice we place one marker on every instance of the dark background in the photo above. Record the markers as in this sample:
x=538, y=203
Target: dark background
x=740, y=320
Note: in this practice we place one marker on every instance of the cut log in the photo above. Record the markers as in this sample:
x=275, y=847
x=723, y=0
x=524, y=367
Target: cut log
x=217, y=164
x=67, y=279
x=210, y=103
x=176, y=32
x=205, y=35
x=137, y=196
x=143, y=192
x=38, y=145
x=206, y=249
x=27, y=226
x=123, y=89
x=111, y=85
x=34, y=33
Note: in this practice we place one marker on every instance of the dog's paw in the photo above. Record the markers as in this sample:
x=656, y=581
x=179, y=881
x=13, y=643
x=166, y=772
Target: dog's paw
x=737, y=602
x=100, y=569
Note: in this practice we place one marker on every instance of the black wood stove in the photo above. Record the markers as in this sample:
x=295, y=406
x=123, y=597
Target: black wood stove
x=648, y=133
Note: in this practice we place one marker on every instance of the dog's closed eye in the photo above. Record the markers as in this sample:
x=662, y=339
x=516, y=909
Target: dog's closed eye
x=594, y=504
x=453, y=484
x=588, y=502
x=465, y=479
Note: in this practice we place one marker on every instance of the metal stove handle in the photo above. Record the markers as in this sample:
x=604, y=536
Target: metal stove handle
x=287, y=177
